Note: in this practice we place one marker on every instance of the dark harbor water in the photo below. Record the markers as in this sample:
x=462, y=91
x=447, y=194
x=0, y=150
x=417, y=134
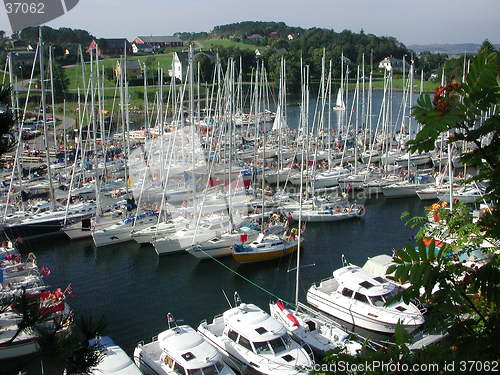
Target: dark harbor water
x=134, y=289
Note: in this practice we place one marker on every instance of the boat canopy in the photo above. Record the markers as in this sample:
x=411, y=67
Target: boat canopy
x=359, y=280
x=253, y=323
x=188, y=348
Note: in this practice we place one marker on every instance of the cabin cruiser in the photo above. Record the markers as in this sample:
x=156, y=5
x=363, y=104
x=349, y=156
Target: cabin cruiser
x=249, y=339
x=179, y=350
x=115, y=361
x=359, y=298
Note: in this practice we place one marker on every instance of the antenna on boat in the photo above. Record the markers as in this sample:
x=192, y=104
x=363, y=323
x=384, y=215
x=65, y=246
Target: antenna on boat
x=227, y=299
x=237, y=299
x=344, y=261
x=171, y=320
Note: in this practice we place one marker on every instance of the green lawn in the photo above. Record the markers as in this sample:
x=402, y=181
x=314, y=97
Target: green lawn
x=397, y=84
x=214, y=43
x=74, y=73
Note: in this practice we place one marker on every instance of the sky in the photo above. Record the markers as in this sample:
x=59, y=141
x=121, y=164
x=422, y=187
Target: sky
x=411, y=22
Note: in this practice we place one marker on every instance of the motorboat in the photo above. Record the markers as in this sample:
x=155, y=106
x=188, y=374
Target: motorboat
x=251, y=341
x=114, y=361
x=359, y=298
x=179, y=350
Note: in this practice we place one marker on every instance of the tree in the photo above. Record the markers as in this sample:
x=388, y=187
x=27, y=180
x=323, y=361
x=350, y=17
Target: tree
x=61, y=82
x=466, y=302
x=7, y=140
x=463, y=111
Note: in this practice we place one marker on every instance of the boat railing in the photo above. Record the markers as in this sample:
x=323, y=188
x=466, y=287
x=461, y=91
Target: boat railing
x=374, y=345
x=419, y=305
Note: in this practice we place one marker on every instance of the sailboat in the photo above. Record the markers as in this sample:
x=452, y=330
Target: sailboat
x=339, y=103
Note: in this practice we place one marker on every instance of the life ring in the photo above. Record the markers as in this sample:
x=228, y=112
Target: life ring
x=288, y=314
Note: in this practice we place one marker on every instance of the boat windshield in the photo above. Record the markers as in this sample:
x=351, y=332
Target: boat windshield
x=278, y=345
x=380, y=301
x=377, y=301
x=262, y=347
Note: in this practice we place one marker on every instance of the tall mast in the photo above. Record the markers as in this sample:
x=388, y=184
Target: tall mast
x=44, y=120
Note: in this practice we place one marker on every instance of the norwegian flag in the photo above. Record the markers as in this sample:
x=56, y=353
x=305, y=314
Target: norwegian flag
x=68, y=290
x=45, y=270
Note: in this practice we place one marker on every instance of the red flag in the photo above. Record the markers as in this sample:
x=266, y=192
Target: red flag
x=68, y=290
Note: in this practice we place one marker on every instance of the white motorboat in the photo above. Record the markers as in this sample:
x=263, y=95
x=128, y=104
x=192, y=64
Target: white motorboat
x=120, y=232
x=249, y=339
x=359, y=298
x=115, y=361
x=177, y=351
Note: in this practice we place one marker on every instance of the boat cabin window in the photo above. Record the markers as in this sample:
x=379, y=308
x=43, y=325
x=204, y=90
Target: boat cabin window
x=347, y=292
x=380, y=280
x=245, y=343
x=209, y=370
x=178, y=369
x=168, y=361
x=378, y=301
x=262, y=347
x=366, y=284
x=233, y=335
x=361, y=297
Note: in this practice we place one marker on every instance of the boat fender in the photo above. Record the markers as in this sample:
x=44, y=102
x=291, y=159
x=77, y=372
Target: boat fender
x=289, y=315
